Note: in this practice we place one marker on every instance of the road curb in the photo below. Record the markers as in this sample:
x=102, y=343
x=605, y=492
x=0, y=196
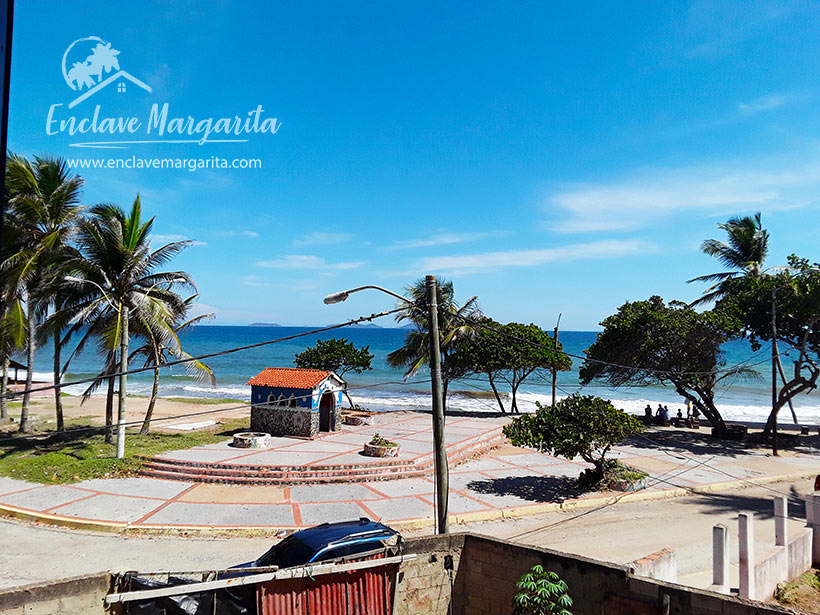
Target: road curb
x=406, y=525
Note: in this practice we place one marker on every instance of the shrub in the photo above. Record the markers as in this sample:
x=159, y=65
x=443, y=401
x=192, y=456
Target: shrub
x=541, y=592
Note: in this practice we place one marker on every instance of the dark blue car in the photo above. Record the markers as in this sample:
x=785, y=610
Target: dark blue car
x=329, y=541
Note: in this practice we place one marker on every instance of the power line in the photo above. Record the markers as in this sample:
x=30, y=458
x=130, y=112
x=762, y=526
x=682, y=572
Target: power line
x=102, y=428
x=210, y=355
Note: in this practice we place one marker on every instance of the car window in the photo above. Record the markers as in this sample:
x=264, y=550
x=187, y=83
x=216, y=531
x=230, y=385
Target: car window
x=290, y=552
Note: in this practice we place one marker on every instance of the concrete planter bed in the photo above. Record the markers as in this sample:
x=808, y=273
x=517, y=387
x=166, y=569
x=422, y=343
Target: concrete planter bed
x=251, y=439
x=381, y=447
x=371, y=450
x=357, y=418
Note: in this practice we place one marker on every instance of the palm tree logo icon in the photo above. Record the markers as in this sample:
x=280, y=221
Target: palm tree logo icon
x=92, y=74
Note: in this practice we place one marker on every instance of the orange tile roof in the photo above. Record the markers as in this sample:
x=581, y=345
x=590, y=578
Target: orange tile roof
x=289, y=377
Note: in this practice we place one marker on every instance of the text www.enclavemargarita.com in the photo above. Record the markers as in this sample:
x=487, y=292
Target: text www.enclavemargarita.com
x=187, y=164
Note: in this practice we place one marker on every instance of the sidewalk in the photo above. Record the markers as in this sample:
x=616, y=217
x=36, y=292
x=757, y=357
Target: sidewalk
x=506, y=482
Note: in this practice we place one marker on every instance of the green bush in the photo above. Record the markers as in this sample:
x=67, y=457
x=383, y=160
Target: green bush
x=541, y=592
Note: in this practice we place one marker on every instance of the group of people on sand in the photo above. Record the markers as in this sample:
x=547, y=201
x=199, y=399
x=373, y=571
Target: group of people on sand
x=662, y=417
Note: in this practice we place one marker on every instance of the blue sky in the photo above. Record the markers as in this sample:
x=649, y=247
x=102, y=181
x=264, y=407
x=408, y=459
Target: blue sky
x=549, y=158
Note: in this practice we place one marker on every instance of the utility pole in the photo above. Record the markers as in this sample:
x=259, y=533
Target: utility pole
x=555, y=369
x=774, y=373
x=123, y=369
x=440, y=450
x=6, y=23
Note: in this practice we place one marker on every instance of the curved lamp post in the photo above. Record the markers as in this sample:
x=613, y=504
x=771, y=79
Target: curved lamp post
x=439, y=447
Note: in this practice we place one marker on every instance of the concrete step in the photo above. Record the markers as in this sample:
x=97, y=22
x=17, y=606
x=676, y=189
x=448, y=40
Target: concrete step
x=158, y=467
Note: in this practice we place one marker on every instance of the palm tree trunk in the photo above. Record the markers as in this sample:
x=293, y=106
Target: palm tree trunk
x=109, y=411
x=4, y=386
x=24, y=426
x=445, y=384
x=58, y=399
x=146, y=422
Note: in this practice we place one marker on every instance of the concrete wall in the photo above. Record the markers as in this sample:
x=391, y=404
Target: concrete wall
x=424, y=583
x=783, y=564
x=661, y=565
x=78, y=596
x=486, y=571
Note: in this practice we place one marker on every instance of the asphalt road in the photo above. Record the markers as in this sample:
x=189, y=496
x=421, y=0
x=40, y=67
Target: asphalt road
x=619, y=533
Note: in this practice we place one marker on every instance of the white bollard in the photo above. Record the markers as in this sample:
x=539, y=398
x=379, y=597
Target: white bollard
x=781, y=515
x=720, y=557
x=746, y=550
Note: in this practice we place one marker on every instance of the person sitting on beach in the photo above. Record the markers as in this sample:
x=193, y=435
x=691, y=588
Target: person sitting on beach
x=647, y=414
x=665, y=415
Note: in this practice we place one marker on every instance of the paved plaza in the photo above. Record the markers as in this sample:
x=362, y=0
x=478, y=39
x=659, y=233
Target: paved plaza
x=503, y=482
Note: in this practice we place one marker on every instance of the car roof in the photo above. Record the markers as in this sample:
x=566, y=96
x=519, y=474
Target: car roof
x=320, y=536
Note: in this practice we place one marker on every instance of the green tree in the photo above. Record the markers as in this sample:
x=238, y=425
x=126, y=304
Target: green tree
x=336, y=355
x=510, y=354
x=743, y=255
x=44, y=204
x=578, y=425
x=455, y=325
x=788, y=303
x=116, y=284
x=541, y=592
x=649, y=342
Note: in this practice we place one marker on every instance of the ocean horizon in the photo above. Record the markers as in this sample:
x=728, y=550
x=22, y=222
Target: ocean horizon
x=384, y=388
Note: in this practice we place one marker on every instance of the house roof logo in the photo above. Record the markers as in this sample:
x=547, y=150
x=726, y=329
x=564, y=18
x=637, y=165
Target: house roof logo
x=99, y=69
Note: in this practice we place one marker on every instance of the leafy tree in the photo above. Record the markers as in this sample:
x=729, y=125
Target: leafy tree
x=787, y=302
x=649, y=342
x=541, y=592
x=336, y=355
x=455, y=324
x=578, y=425
x=509, y=353
x=743, y=255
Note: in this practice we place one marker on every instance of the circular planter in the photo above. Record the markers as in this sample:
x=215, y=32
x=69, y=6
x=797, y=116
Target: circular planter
x=251, y=439
x=371, y=450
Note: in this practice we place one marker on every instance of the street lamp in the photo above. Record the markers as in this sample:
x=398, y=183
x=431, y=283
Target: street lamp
x=439, y=446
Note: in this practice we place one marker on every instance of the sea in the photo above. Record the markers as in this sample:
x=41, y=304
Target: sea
x=384, y=388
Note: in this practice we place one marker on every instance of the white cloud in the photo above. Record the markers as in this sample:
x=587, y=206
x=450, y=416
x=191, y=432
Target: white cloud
x=306, y=261
x=764, y=103
x=241, y=233
x=640, y=201
x=439, y=239
x=478, y=263
x=322, y=238
x=255, y=281
x=164, y=239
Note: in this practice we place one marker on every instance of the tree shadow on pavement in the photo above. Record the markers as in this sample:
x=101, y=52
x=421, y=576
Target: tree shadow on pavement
x=693, y=442
x=761, y=505
x=532, y=488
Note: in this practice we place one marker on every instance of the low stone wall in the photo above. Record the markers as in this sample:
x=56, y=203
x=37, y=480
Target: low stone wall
x=284, y=421
x=77, y=596
x=661, y=565
x=486, y=571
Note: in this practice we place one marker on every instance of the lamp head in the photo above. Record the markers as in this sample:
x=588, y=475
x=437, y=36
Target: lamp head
x=336, y=297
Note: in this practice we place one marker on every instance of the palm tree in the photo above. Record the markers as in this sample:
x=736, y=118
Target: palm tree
x=156, y=355
x=455, y=324
x=117, y=287
x=44, y=202
x=747, y=247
